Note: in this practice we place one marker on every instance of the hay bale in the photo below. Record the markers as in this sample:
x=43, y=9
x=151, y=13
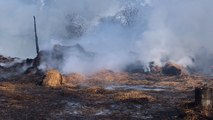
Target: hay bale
x=172, y=69
x=53, y=78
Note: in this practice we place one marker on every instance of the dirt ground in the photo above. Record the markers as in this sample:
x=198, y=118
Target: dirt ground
x=110, y=96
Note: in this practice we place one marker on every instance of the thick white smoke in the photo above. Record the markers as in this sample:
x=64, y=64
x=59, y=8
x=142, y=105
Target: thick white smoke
x=116, y=32
x=179, y=31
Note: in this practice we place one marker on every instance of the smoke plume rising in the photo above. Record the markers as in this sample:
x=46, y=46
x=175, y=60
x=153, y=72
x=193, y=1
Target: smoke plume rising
x=116, y=32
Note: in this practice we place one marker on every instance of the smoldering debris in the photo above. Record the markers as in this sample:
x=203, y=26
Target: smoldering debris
x=6, y=59
x=59, y=55
x=136, y=67
x=10, y=67
x=105, y=93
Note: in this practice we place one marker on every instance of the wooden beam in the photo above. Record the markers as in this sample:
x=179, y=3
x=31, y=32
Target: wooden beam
x=36, y=36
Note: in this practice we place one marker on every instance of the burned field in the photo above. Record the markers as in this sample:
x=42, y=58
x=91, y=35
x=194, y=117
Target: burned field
x=107, y=60
x=103, y=95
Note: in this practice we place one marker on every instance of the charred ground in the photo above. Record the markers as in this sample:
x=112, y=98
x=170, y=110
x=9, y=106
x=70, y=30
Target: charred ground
x=103, y=95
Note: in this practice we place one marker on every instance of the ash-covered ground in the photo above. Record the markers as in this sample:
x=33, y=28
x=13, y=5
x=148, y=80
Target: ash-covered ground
x=31, y=94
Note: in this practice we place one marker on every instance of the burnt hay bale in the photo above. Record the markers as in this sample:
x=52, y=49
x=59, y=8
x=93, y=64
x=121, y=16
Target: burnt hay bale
x=172, y=69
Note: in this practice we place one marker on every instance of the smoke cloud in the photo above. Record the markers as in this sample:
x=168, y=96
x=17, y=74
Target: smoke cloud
x=114, y=33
